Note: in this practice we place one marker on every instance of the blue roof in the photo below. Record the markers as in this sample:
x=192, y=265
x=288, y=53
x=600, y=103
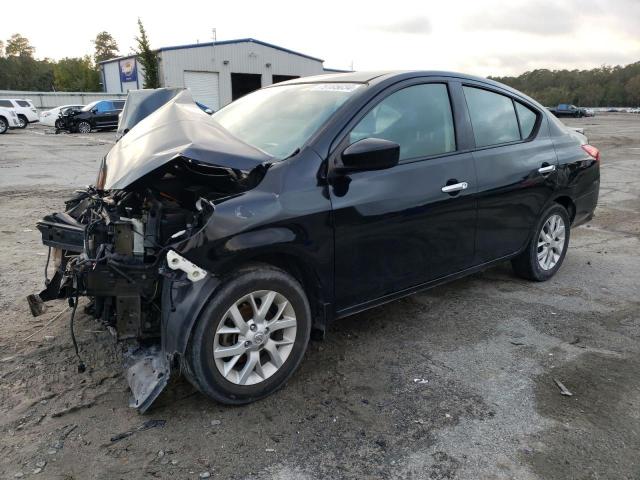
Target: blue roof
x=239, y=40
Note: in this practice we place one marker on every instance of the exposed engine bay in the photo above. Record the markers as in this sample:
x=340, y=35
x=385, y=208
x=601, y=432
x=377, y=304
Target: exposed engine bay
x=120, y=242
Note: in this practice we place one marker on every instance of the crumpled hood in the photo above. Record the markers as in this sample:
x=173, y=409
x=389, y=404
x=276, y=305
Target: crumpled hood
x=177, y=129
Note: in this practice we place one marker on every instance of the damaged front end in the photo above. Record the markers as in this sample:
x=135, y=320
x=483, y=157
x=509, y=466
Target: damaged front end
x=122, y=243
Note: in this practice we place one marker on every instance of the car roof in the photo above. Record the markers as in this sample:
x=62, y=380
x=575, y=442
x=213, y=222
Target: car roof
x=390, y=76
x=376, y=76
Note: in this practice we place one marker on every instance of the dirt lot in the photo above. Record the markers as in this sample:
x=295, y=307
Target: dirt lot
x=453, y=383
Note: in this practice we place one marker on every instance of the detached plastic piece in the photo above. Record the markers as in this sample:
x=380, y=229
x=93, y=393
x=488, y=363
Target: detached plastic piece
x=178, y=262
x=147, y=374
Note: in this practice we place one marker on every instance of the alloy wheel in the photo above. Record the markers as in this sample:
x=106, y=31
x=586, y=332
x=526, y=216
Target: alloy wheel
x=84, y=127
x=551, y=242
x=22, y=122
x=255, y=337
x=4, y=126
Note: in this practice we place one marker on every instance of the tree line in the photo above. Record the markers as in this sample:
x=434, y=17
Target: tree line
x=20, y=70
x=606, y=86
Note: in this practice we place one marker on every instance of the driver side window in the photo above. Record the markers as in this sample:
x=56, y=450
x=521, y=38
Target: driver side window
x=103, y=107
x=418, y=118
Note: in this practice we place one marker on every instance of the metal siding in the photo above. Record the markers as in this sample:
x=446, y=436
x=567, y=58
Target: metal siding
x=247, y=57
x=111, y=77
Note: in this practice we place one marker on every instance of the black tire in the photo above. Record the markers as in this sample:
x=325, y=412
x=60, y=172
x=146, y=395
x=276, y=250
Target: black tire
x=23, y=121
x=4, y=125
x=526, y=265
x=83, y=125
x=59, y=124
x=199, y=364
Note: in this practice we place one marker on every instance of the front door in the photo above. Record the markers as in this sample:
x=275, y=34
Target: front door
x=415, y=222
x=103, y=114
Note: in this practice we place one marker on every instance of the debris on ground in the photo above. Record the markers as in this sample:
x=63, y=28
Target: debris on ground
x=73, y=408
x=420, y=380
x=517, y=344
x=140, y=428
x=563, y=390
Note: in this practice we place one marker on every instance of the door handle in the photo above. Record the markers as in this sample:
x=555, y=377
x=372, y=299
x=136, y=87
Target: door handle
x=547, y=169
x=456, y=187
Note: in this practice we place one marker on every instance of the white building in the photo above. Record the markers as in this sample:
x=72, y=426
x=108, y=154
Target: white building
x=215, y=72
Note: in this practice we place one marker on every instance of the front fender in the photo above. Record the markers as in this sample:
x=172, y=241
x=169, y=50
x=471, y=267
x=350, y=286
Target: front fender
x=182, y=302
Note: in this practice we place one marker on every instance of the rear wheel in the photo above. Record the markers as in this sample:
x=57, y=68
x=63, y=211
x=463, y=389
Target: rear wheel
x=4, y=125
x=546, y=251
x=84, y=127
x=22, y=121
x=251, y=336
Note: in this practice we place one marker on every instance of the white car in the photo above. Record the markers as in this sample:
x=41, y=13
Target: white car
x=51, y=117
x=27, y=112
x=8, y=119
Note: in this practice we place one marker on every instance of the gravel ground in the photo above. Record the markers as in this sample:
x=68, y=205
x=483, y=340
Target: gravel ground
x=453, y=383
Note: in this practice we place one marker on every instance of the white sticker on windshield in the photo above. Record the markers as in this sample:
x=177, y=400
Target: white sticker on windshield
x=334, y=87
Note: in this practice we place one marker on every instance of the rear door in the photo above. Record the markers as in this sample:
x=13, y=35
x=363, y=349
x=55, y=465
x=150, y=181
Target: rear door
x=396, y=229
x=516, y=164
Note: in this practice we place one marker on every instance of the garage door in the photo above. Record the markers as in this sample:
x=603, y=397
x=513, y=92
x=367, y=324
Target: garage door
x=204, y=87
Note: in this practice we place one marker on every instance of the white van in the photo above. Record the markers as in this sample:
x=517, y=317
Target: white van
x=27, y=112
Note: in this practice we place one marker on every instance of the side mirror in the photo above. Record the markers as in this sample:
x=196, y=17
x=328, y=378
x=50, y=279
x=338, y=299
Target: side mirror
x=369, y=154
x=94, y=110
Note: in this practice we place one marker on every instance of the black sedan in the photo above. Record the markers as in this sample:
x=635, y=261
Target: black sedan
x=222, y=242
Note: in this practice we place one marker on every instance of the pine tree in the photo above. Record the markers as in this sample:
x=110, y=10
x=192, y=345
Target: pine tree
x=147, y=58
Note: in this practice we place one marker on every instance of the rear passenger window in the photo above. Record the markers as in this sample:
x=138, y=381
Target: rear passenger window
x=493, y=117
x=23, y=103
x=417, y=118
x=527, y=118
x=6, y=103
x=118, y=104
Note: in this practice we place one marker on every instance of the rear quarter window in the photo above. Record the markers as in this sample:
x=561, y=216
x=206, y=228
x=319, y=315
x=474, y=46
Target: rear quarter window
x=527, y=118
x=23, y=103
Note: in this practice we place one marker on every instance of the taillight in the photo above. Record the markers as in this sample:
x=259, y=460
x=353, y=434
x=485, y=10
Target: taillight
x=592, y=151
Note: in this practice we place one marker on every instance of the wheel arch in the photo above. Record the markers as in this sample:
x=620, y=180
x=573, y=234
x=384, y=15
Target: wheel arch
x=568, y=204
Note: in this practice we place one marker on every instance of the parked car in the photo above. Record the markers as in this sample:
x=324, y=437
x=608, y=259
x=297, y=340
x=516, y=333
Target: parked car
x=98, y=115
x=8, y=119
x=589, y=112
x=26, y=111
x=222, y=242
x=51, y=118
x=567, y=110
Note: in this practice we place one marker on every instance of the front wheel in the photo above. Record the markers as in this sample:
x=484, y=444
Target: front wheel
x=4, y=125
x=59, y=124
x=545, y=253
x=84, y=127
x=250, y=337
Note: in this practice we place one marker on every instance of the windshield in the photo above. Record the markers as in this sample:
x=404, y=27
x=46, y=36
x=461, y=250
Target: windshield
x=90, y=106
x=279, y=120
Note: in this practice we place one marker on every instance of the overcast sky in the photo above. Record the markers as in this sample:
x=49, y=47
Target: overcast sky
x=483, y=37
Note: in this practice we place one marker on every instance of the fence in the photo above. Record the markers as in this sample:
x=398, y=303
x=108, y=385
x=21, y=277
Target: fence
x=45, y=100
